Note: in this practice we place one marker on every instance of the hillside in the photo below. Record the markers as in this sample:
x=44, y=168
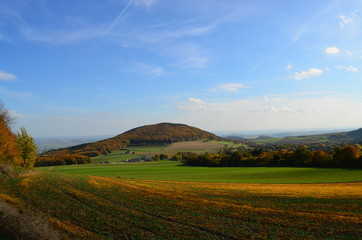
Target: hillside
x=165, y=133
x=149, y=135
x=354, y=136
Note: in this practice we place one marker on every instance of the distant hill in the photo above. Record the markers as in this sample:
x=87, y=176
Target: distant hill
x=156, y=134
x=165, y=133
x=352, y=136
x=235, y=137
x=47, y=143
x=326, y=138
x=263, y=137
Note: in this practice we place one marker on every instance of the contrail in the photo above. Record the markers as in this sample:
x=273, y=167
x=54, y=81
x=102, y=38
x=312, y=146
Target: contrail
x=119, y=16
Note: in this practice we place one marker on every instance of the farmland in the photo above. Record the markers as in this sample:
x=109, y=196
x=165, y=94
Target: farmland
x=89, y=207
x=187, y=146
x=170, y=170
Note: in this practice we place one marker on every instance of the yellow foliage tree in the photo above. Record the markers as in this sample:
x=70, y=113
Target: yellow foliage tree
x=27, y=148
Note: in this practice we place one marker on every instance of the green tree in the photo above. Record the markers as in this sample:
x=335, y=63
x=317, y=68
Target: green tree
x=27, y=148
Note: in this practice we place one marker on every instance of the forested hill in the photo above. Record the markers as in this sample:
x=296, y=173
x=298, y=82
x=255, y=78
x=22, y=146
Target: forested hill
x=165, y=133
x=157, y=134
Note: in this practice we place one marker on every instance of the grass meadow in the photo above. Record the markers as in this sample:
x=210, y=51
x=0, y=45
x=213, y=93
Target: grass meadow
x=174, y=171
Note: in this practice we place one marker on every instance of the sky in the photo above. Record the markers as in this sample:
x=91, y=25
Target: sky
x=90, y=67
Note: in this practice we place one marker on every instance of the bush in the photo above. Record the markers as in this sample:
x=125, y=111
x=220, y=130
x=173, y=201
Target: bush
x=6, y=170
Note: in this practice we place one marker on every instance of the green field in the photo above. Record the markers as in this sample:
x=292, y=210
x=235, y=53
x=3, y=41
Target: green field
x=116, y=156
x=188, y=146
x=88, y=207
x=170, y=170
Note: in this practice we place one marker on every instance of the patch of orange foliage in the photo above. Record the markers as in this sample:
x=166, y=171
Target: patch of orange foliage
x=72, y=229
x=9, y=199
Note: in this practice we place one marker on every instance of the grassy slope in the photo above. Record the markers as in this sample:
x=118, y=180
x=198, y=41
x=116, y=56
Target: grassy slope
x=105, y=208
x=115, y=156
x=169, y=170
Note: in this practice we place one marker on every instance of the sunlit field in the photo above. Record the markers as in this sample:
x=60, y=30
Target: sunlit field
x=86, y=207
x=170, y=170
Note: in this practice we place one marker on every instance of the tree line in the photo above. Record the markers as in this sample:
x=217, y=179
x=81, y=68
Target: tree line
x=340, y=157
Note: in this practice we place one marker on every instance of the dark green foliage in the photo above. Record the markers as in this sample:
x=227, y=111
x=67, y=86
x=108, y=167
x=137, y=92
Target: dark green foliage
x=56, y=160
x=346, y=157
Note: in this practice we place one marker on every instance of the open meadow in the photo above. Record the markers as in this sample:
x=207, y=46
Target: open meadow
x=175, y=171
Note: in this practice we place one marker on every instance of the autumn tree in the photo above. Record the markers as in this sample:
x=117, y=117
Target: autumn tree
x=320, y=159
x=9, y=154
x=27, y=148
x=5, y=116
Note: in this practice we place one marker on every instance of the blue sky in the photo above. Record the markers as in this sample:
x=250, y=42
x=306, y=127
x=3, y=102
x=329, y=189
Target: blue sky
x=90, y=67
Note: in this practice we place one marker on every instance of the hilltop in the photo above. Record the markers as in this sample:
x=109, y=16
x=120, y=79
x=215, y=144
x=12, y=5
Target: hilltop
x=149, y=135
x=165, y=133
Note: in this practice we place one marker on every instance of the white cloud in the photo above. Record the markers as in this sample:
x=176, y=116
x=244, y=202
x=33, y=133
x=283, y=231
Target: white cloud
x=331, y=50
x=231, y=87
x=193, y=104
x=292, y=111
x=4, y=76
x=196, y=100
x=349, y=68
x=307, y=74
x=345, y=20
x=145, y=2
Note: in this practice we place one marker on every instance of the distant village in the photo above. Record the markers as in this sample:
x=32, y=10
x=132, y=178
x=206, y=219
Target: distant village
x=131, y=160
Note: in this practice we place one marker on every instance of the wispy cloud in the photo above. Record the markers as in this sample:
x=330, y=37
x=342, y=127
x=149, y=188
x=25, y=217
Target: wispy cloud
x=5, y=76
x=145, y=2
x=307, y=74
x=121, y=14
x=192, y=31
x=332, y=50
x=15, y=94
x=190, y=56
x=308, y=24
x=63, y=36
x=231, y=87
x=197, y=105
x=193, y=104
x=148, y=69
x=348, y=68
x=289, y=66
x=345, y=20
